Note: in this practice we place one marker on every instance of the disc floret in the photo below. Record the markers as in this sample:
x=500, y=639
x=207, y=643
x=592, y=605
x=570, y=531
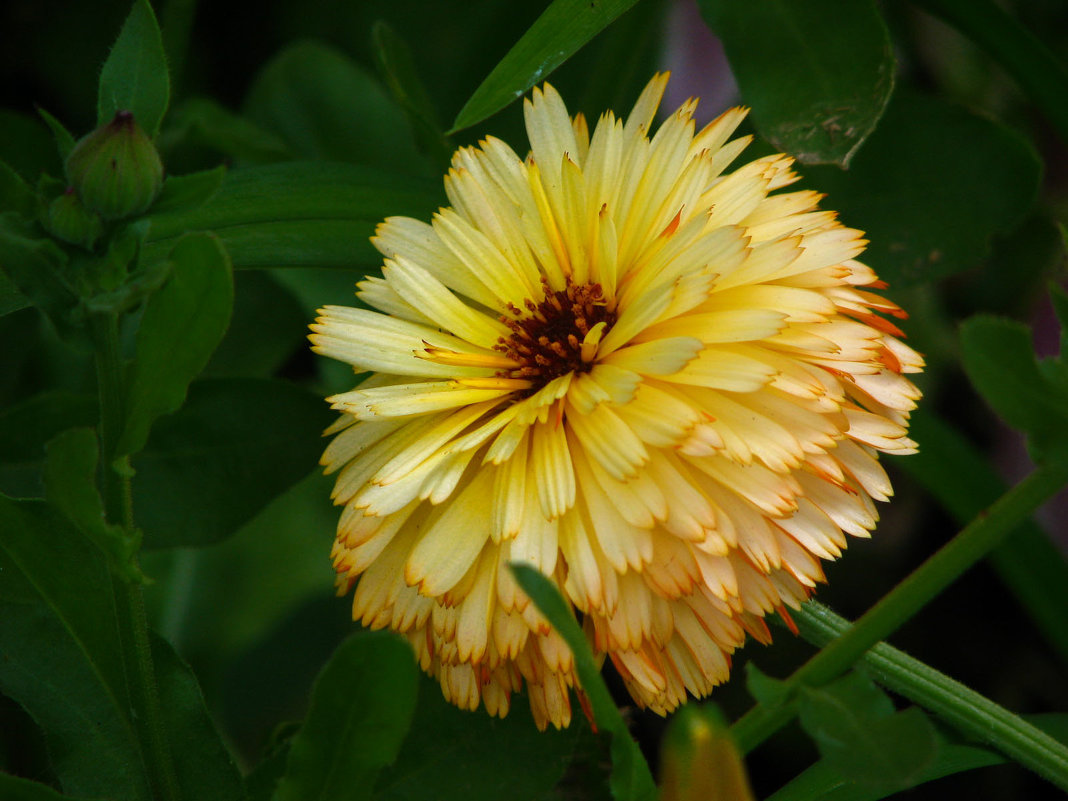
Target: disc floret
x=557, y=335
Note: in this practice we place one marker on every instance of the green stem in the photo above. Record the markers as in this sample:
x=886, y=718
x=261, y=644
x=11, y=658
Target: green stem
x=130, y=603
x=973, y=543
x=966, y=710
x=956, y=473
x=907, y=598
x=1015, y=48
x=109, y=380
x=147, y=713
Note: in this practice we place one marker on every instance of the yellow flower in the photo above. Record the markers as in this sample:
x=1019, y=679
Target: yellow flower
x=645, y=374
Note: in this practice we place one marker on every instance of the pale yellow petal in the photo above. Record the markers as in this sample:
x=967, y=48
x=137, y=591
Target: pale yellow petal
x=727, y=367
x=403, y=400
x=660, y=356
x=509, y=493
x=419, y=242
x=735, y=325
x=659, y=418
x=424, y=292
x=450, y=542
x=551, y=468
x=607, y=440
x=482, y=260
x=377, y=293
x=476, y=611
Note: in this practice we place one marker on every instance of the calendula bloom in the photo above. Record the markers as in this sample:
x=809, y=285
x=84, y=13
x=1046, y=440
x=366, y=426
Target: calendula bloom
x=651, y=377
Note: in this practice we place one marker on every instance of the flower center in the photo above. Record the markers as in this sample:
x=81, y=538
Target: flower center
x=557, y=336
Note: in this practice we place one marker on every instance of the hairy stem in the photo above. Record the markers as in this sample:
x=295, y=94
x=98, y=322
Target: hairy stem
x=129, y=599
x=967, y=711
x=907, y=598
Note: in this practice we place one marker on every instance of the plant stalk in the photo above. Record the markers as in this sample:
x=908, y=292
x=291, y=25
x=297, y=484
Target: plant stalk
x=146, y=712
x=907, y=598
x=966, y=710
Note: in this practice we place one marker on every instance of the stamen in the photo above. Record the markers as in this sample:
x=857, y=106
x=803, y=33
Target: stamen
x=498, y=382
x=446, y=356
x=559, y=335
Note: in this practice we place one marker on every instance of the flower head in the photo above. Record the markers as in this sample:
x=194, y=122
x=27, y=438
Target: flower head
x=116, y=170
x=650, y=376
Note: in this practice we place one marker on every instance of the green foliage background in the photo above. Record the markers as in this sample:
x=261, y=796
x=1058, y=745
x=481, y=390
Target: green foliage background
x=167, y=622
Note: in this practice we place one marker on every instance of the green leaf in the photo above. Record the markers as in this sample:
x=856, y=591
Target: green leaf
x=26, y=426
x=61, y=660
x=211, y=466
x=112, y=271
x=630, y=773
x=11, y=299
x=817, y=74
x=1038, y=71
x=913, y=188
x=1059, y=297
x=26, y=145
x=300, y=214
x=61, y=652
x=325, y=106
x=617, y=64
x=1000, y=362
x=134, y=77
x=261, y=781
x=1020, y=264
x=13, y=788
x=63, y=137
x=181, y=326
x=15, y=193
x=202, y=121
x=183, y=193
x=70, y=479
x=952, y=702
x=821, y=782
x=858, y=733
x=763, y=688
x=229, y=616
x=205, y=769
x=70, y=484
x=471, y=756
x=267, y=328
x=397, y=67
x=119, y=283
x=133, y=291
x=563, y=28
x=34, y=267
x=361, y=707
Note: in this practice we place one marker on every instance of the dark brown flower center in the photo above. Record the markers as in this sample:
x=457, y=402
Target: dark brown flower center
x=547, y=337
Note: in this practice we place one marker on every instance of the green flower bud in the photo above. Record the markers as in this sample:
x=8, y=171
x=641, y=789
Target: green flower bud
x=699, y=761
x=116, y=169
x=70, y=221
